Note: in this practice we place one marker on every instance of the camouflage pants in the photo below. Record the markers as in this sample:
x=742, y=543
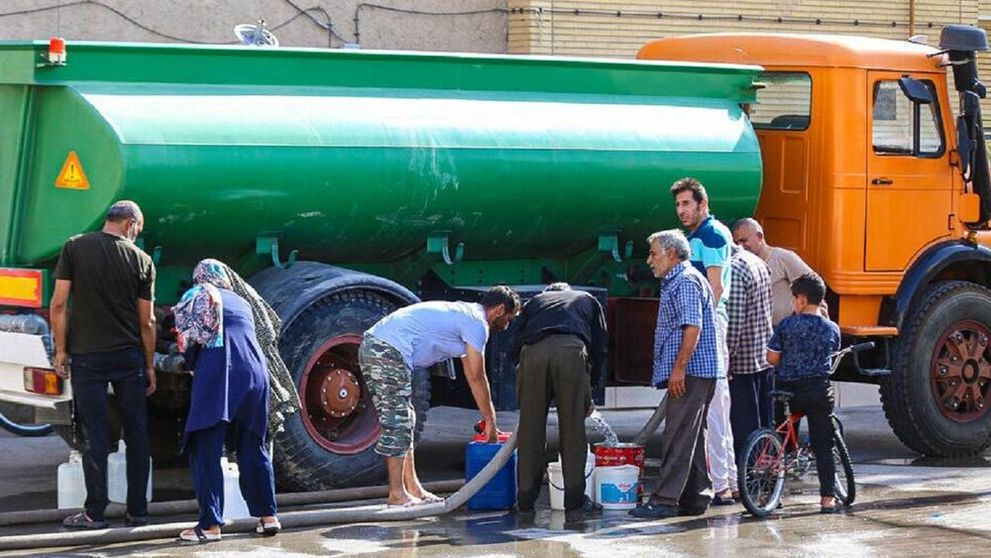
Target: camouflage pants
x=390, y=383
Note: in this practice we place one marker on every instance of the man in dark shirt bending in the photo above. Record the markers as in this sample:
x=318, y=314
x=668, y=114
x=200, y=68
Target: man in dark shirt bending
x=561, y=340
x=104, y=331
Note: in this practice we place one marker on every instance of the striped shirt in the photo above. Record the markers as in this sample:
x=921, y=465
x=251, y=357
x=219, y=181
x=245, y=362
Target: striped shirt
x=685, y=300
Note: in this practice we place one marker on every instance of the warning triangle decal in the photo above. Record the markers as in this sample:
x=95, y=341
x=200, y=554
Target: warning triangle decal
x=72, y=175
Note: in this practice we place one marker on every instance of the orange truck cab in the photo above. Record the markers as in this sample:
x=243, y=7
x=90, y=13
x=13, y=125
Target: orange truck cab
x=873, y=180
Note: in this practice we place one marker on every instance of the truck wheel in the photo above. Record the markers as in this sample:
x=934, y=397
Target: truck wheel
x=331, y=442
x=937, y=397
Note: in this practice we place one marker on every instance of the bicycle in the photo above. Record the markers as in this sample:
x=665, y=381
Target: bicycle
x=770, y=455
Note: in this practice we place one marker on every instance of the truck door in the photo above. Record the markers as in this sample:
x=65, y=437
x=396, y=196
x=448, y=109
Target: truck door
x=909, y=179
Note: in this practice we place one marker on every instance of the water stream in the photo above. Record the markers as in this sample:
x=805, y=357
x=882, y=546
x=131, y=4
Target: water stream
x=603, y=428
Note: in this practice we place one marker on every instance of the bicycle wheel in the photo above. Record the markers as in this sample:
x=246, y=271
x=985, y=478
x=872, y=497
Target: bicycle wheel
x=844, y=487
x=761, y=476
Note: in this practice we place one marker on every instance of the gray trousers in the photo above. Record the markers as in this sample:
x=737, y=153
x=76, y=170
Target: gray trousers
x=554, y=368
x=684, y=475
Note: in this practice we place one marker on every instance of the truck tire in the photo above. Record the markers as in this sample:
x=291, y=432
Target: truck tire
x=936, y=399
x=318, y=450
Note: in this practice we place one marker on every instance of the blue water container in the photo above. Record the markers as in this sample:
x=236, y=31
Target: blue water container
x=500, y=492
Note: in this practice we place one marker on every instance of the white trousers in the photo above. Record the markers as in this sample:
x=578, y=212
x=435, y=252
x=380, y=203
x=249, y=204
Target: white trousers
x=719, y=435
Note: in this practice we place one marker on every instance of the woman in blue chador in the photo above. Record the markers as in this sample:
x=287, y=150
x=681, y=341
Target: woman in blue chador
x=229, y=401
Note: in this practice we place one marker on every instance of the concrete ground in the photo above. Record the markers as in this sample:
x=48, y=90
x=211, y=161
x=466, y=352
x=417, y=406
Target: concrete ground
x=906, y=506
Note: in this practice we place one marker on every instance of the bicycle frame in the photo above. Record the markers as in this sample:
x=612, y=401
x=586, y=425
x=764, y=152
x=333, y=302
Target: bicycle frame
x=788, y=430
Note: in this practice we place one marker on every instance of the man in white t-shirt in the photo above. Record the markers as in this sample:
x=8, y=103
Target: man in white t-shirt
x=785, y=265
x=418, y=336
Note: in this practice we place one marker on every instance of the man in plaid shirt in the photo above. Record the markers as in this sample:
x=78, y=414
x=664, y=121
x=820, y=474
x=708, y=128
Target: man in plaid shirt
x=749, y=309
x=687, y=362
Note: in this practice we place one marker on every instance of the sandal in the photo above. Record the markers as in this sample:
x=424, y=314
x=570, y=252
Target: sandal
x=83, y=521
x=198, y=535
x=268, y=528
x=431, y=499
x=410, y=504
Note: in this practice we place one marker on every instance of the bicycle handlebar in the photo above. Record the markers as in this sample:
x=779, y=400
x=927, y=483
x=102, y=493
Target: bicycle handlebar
x=838, y=356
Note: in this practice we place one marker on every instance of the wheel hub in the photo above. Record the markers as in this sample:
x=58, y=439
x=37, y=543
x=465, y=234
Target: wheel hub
x=337, y=411
x=961, y=371
x=339, y=393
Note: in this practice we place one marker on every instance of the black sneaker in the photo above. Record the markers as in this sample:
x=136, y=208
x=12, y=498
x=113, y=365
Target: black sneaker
x=591, y=506
x=135, y=520
x=654, y=511
x=82, y=521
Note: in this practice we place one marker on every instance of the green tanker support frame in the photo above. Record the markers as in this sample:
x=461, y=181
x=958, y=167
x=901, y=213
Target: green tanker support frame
x=348, y=183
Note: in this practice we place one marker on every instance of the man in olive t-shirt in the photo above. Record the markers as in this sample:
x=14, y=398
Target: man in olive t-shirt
x=104, y=331
x=785, y=265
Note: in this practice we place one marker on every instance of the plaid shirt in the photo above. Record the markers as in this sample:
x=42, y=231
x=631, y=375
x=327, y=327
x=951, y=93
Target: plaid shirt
x=749, y=309
x=685, y=300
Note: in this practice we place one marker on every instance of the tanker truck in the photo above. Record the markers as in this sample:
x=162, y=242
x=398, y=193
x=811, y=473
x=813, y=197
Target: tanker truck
x=346, y=184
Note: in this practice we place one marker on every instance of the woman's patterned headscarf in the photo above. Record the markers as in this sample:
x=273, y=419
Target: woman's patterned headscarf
x=199, y=314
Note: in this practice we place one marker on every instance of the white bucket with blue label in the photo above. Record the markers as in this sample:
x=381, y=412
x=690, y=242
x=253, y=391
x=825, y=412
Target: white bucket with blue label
x=617, y=487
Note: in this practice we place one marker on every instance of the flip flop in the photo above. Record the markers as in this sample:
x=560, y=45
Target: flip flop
x=431, y=499
x=410, y=504
x=198, y=535
x=268, y=528
x=82, y=521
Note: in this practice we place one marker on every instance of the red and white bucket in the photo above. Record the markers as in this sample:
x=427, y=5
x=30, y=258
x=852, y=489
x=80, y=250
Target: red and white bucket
x=620, y=454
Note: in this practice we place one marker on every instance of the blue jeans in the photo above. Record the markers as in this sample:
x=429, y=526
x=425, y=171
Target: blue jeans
x=123, y=369
x=257, y=479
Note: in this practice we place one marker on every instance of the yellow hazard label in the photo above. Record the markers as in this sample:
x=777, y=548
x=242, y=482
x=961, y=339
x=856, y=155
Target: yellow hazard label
x=19, y=288
x=72, y=175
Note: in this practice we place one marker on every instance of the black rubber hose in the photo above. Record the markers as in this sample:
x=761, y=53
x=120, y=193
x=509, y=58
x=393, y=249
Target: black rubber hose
x=25, y=430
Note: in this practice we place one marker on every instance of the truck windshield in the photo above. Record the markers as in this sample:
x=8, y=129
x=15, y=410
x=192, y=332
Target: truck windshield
x=785, y=103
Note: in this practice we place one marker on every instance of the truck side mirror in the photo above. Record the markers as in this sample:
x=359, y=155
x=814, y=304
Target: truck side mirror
x=915, y=90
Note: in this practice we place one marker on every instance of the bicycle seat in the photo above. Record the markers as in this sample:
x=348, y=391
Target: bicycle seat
x=782, y=395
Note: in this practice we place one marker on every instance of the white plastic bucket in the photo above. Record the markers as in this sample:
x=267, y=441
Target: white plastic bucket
x=555, y=481
x=555, y=485
x=616, y=487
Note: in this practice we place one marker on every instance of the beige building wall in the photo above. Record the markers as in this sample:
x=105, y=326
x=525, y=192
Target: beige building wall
x=412, y=24
x=618, y=28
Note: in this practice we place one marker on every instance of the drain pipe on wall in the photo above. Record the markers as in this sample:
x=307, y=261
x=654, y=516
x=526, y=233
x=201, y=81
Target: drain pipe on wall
x=289, y=520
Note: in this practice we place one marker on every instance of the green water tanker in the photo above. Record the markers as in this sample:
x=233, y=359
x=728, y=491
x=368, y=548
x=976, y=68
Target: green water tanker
x=345, y=184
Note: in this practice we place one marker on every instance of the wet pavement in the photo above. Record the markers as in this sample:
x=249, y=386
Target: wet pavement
x=906, y=506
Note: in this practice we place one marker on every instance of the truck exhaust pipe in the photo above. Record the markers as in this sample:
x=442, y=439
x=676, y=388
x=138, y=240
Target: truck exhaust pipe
x=961, y=43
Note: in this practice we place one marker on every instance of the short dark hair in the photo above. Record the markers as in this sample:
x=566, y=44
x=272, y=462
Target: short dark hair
x=810, y=285
x=501, y=294
x=123, y=210
x=689, y=184
x=559, y=286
